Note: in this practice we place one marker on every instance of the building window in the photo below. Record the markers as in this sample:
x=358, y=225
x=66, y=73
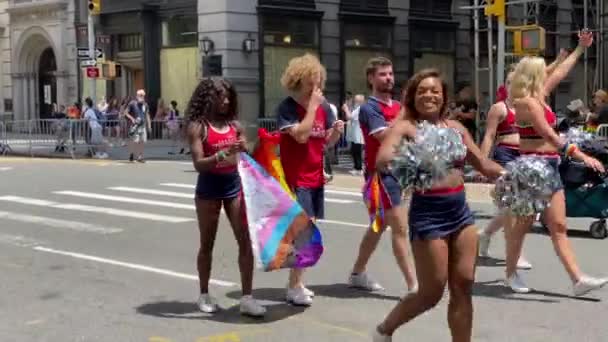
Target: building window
x=284, y=39
x=130, y=42
x=179, y=31
x=431, y=8
x=434, y=40
x=289, y=3
x=361, y=43
x=292, y=32
x=578, y=22
x=364, y=6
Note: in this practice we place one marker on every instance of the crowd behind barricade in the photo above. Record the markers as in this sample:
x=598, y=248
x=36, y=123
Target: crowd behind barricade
x=118, y=122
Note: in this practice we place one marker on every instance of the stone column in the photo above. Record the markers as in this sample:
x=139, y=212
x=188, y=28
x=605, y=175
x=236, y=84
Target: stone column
x=401, y=39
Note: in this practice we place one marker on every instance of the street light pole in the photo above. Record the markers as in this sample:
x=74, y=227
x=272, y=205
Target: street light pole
x=92, y=55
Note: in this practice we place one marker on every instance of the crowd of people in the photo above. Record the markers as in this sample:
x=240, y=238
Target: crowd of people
x=120, y=122
x=438, y=223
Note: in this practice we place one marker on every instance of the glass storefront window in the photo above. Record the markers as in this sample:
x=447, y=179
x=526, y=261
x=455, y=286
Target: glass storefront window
x=284, y=39
x=361, y=36
x=179, y=31
x=130, y=42
x=292, y=32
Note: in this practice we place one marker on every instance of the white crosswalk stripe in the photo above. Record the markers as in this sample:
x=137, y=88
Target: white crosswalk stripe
x=190, y=186
x=126, y=199
x=95, y=209
x=153, y=192
x=57, y=223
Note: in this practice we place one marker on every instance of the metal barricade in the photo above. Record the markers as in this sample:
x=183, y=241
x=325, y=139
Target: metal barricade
x=4, y=147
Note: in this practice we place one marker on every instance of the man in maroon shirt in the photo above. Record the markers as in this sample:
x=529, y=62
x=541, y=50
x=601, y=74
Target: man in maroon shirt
x=375, y=117
x=307, y=126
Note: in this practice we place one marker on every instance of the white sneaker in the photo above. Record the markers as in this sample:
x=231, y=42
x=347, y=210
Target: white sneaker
x=517, y=284
x=364, y=282
x=250, y=307
x=587, y=284
x=484, y=244
x=523, y=264
x=378, y=337
x=207, y=304
x=298, y=296
x=306, y=290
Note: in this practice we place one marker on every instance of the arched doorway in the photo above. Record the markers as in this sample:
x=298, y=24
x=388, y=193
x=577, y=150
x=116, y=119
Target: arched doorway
x=47, y=83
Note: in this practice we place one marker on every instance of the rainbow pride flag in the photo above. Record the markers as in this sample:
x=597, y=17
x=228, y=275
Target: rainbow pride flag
x=377, y=201
x=265, y=155
x=282, y=235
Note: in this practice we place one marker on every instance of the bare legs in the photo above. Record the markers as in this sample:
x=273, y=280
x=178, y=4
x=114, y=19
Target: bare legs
x=396, y=219
x=452, y=261
x=555, y=218
x=208, y=212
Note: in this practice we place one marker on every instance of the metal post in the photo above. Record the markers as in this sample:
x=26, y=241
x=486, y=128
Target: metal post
x=476, y=49
x=500, y=53
x=92, y=55
x=585, y=64
x=490, y=60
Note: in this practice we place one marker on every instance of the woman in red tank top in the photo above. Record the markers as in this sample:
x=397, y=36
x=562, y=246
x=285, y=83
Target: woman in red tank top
x=215, y=141
x=500, y=128
x=530, y=85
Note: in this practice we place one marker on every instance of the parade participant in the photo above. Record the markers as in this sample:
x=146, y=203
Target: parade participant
x=375, y=116
x=215, y=139
x=535, y=121
x=500, y=126
x=442, y=231
x=307, y=125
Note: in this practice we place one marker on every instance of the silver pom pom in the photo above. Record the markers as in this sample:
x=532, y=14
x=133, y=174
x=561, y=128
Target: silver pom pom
x=577, y=136
x=429, y=158
x=527, y=186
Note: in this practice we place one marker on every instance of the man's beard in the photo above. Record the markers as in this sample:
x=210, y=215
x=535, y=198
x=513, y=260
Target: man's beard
x=386, y=88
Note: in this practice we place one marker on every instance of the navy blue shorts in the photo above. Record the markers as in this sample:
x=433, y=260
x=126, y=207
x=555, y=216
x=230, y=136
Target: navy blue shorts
x=312, y=201
x=437, y=216
x=391, y=184
x=504, y=154
x=218, y=185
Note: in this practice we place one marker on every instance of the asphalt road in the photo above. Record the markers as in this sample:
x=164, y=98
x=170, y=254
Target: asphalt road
x=105, y=251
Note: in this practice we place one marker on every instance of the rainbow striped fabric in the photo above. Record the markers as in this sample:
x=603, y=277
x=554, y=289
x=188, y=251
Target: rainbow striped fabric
x=377, y=201
x=282, y=235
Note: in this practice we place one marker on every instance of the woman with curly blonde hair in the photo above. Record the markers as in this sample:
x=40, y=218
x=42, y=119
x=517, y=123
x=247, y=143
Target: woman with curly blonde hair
x=307, y=125
x=535, y=122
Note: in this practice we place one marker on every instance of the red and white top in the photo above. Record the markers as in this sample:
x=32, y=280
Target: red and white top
x=217, y=140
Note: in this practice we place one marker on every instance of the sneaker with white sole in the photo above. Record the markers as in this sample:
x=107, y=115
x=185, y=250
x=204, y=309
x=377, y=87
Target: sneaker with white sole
x=251, y=307
x=306, y=290
x=378, y=337
x=516, y=283
x=207, y=304
x=364, y=282
x=297, y=296
x=484, y=244
x=587, y=284
x=523, y=264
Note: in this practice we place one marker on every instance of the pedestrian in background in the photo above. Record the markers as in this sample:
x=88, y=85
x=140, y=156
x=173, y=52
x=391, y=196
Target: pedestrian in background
x=138, y=113
x=354, y=135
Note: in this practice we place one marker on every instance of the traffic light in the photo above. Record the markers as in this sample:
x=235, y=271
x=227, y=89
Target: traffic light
x=527, y=40
x=110, y=70
x=94, y=7
x=495, y=8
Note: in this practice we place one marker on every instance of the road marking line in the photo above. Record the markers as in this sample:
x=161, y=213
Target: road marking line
x=57, y=223
x=331, y=326
x=153, y=192
x=333, y=200
x=96, y=209
x=179, y=185
x=5, y=168
x=345, y=223
x=132, y=266
x=126, y=199
x=345, y=193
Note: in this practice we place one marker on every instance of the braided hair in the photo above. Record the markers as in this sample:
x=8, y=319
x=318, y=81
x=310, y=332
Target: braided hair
x=206, y=100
